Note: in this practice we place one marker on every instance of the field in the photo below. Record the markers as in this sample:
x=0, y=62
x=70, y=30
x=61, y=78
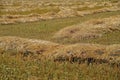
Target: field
x=56, y=40
x=30, y=69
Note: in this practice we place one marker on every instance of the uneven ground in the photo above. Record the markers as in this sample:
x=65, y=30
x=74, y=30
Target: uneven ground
x=60, y=40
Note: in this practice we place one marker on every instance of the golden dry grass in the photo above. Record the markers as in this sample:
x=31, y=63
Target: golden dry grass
x=18, y=68
x=20, y=11
x=33, y=59
x=90, y=29
x=51, y=50
x=22, y=45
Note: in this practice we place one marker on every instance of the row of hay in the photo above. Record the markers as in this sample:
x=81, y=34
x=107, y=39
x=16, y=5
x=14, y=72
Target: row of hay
x=92, y=53
x=62, y=12
x=58, y=52
x=27, y=46
x=90, y=29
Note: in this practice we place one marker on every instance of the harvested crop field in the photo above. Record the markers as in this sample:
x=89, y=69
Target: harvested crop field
x=28, y=11
x=89, y=30
x=46, y=48
x=60, y=40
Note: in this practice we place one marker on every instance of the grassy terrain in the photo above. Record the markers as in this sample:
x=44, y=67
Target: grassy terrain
x=14, y=66
x=17, y=68
x=14, y=7
x=87, y=8
x=46, y=29
x=107, y=39
x=37, y=10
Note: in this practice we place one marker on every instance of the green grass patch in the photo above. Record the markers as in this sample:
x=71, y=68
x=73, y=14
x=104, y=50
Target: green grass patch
x=107, y=39
x=88, y=8
x=46, y=29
